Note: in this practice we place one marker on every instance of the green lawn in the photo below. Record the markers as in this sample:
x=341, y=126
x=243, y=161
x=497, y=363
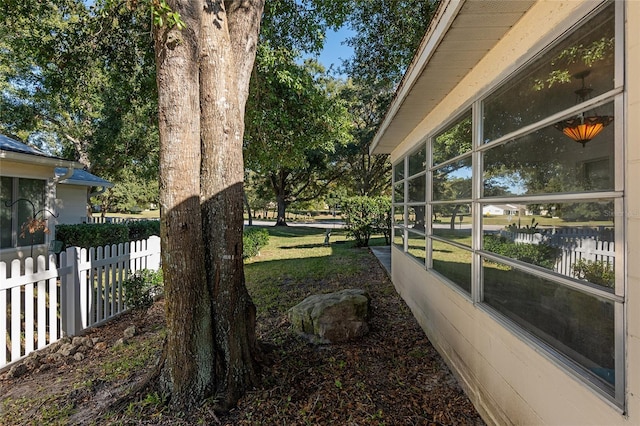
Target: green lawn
x=296, y=264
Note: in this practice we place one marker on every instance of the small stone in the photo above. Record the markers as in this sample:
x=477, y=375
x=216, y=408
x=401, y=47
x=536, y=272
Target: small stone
x=101, y=346
x=32, y=363
x=55, y=357
x=87, y=342
x=67, y=349
x=77, y=340
x=130, y=332
x=120, y=342
x=17, y=370
x=79, y=356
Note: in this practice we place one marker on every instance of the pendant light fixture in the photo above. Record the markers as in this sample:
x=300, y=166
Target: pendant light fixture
x=583, y=127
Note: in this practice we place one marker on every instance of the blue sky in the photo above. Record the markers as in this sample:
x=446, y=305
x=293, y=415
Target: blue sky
x=334, y=51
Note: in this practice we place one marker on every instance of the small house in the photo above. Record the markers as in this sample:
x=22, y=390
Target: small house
x=32, y=183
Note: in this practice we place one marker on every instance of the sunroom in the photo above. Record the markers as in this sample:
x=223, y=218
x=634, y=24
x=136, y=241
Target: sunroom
x=523, y=104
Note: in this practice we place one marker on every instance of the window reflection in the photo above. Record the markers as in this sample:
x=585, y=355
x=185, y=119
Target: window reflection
x=416, y=246
x=398, y=171
x=548, y=85
x=417, y=187
x=454, y=141
x=453, y=181
x=579, y=325
x=416, y=218
x=452, y=262
x=546, y=162
x=453, y=222
x=418, y=161
x=573, y=239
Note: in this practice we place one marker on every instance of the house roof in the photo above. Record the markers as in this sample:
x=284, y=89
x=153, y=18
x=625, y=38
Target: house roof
x=459, y=36
x=18, y=151
x=12, y=149
x=82, y=177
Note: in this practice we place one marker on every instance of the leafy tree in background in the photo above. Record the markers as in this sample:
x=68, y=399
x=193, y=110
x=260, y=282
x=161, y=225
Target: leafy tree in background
x=295, y=121
x=387, y=36
x=81, y=84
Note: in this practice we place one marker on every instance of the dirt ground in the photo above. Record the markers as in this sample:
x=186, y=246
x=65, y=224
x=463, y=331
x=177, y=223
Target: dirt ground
x=393, y=376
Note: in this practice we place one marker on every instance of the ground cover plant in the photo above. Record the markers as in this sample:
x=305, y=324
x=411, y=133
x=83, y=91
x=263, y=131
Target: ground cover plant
x=393, y=376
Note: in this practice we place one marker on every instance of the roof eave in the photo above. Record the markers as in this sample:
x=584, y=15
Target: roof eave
x=442, y=20
x=41, y=160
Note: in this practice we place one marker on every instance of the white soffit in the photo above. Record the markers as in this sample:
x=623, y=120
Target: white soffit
x=460, y=35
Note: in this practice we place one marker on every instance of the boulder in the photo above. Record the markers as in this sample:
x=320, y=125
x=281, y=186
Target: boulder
x=334, y=317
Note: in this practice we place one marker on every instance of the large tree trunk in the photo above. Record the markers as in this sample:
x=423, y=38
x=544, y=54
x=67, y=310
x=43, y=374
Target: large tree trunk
x=188, y=370
x=279, y=185
x=228, y=47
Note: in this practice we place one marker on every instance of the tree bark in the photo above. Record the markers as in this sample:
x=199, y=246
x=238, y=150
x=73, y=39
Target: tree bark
x=188, y=371
x=229, y=39
x=279, y=185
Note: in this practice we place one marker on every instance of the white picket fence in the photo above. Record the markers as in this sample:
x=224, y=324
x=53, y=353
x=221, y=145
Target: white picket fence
x=101, y=219
x=574, y=246
x=42, y=300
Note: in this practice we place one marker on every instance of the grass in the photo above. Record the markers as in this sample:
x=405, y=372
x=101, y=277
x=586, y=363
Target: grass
x=298, y=255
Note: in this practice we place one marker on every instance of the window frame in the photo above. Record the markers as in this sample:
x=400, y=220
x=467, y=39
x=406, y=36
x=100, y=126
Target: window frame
x=614, y=394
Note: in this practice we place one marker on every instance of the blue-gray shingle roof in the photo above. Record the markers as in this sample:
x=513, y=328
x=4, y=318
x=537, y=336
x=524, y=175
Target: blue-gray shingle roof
x=82, y=177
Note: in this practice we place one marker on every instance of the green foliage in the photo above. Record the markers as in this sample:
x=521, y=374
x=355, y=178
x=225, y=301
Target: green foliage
x=597, y=272
x=527, y=229
x=103, y=234
x=143, y=229
x=536, y=254
x=253, y=239
x=365, y=216
x=92, y=235
x=294, y=123
x=140, y=288
x=164, y=15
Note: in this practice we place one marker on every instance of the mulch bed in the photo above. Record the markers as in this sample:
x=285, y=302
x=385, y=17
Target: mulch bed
x=392, y=376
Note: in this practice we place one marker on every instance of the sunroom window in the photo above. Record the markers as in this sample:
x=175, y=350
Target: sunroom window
x=524, y=199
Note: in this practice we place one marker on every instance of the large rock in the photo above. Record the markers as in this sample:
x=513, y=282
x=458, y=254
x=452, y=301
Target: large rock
x=334, y=317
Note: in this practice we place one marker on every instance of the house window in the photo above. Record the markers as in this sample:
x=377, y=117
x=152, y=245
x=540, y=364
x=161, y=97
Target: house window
x=451, y=195
x=523, y=219
x=18, y=199
x=409, y=204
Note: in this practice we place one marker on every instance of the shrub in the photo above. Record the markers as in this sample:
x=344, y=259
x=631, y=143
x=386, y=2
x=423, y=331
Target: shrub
x=365, y=216
x=92, y=235
x=103, y=234
x=253, y=239
x=536, y=254
x=143, y=229
x=141, y=287
x=597, y=272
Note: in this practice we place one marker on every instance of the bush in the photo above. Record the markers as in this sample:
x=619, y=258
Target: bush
x=253, y=239
x=105, y=234
x=536, y=254
x=365, y=216
x=597, y=272
x=141, y=287
x=92, y=235
x=143, y=229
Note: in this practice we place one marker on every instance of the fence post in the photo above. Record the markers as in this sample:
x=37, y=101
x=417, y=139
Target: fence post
x=70, y=294
x=153, y=245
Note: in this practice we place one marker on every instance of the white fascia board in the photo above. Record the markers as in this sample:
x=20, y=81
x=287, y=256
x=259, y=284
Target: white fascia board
x=439, y=26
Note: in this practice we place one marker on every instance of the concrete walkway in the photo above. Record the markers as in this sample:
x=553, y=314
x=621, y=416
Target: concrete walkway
x=383, y=253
